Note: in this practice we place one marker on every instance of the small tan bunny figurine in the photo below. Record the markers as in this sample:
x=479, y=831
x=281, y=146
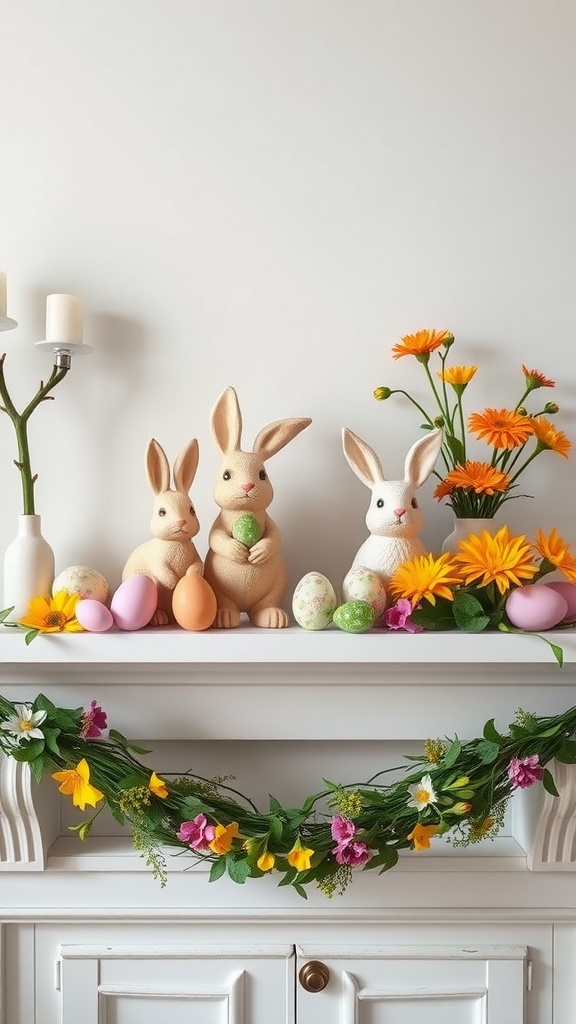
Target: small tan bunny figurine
x=171, y=554
x=246, y=574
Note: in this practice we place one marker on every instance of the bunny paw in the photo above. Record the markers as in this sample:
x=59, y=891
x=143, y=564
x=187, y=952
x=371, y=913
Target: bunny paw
x=269, y=618
x=160, y=618
x=226, y=618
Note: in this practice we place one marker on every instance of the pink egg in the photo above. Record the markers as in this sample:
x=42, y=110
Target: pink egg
x=568, y=592
x=93, y=615
x=134, y=603
x=535, y=607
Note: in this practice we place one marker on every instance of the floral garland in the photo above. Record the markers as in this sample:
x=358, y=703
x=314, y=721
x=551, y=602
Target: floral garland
x=455, y=789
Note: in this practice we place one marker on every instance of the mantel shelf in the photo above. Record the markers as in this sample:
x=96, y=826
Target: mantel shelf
x=172, y=646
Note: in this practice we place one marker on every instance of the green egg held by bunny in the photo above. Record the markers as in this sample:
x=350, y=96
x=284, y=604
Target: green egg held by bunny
x=247, y=530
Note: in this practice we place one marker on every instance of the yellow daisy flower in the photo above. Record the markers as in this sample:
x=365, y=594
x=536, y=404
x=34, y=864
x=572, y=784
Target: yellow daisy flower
x=502, y=559
x=53, y=614
x=458, y=376
x=425, y=577
x=555, y=550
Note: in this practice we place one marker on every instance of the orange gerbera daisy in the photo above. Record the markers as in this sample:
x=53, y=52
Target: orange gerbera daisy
x=477, y=476
x=421, y=343
x=501, y=559
x=425, y=577
x=549, y=437
x=556, y=551
x=535, y=379
x=457, y=375
x=501, y=428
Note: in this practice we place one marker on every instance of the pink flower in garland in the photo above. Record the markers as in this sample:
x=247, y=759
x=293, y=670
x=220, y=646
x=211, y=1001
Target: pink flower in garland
x=398, y=617
x=526, y=771
x=93, y=722
x=342, y=829
x=197, y=833
x=348, y=850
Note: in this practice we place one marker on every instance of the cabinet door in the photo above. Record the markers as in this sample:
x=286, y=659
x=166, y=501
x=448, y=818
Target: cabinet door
x=145, y=984
x=411, y=984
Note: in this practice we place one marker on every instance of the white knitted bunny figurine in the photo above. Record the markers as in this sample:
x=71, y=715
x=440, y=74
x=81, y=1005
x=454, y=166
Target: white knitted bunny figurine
x=170, y=554
x=394, y=518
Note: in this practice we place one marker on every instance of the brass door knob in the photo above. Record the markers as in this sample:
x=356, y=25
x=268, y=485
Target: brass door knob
x=314, y=976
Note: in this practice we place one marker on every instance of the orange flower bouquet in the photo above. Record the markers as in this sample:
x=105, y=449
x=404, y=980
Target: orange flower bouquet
x=477, y=489
x=491, y=582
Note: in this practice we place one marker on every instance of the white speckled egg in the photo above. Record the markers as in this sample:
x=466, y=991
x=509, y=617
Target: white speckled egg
x=134, y=603
x=94, y=616
x=314, y=601
x=535, y=607
x=80, y=579
x=362, y=584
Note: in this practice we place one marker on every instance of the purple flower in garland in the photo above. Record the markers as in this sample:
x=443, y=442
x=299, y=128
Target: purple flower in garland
x=526, y=771
x=93, y=722
x=398, y=617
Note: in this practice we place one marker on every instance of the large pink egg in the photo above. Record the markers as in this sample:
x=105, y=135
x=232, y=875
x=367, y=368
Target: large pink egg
x=93, y=615
x=535, y=607
x=568, y=592
x=134, y=603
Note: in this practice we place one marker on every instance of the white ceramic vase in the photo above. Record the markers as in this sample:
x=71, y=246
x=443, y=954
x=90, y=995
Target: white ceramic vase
x=28, y=567
x=464, y=527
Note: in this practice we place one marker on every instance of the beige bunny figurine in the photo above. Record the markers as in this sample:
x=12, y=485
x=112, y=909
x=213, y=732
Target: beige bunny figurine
x=171, y=554
x=246, y=578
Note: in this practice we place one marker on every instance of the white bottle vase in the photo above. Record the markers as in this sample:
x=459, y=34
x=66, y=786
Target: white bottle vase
x=28, y=567
x=464, y=527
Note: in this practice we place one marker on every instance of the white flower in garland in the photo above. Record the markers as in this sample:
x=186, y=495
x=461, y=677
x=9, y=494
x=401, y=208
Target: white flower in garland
x=422, y=793
x=24, y=725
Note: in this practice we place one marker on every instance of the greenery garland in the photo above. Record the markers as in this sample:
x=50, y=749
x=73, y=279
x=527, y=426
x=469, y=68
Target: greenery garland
x=453, y=788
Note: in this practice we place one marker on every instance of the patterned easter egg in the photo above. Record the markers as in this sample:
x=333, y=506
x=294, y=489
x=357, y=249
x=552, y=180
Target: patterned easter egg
x=362, y=584
x=80, y=579
x=355, y=616
x=247, y=530
x=314, y=601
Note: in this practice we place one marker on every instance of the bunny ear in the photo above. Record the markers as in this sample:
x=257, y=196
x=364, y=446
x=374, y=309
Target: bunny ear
x=227, y=422
x=273, y=437
x=421, y=458
x=157, y=467
x=362, y=459
x=185, y=466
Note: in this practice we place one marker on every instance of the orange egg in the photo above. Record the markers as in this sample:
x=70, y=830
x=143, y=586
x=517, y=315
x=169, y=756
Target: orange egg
x=194, y=603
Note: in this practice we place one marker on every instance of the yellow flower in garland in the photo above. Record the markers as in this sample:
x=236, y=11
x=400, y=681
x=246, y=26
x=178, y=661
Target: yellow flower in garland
x=425, y=577
x=421, y=344
x=75, y=782
x=480, y=477
x=300, y=856
x=53, y=614
x=556, y=551
x=158, y=786
x=266, y=862
x=501, y=559
x=421, y=836
x=224, y=835
x=501, y=428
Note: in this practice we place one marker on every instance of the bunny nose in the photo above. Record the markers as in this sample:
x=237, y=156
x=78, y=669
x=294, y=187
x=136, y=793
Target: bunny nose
x=247, y=487
x=181, y=522
x=399, y=512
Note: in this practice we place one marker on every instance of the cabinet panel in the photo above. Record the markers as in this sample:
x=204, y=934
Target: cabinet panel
x=395, y=985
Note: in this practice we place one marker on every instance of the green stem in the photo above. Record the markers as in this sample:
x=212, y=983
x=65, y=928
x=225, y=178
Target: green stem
x=20, y=423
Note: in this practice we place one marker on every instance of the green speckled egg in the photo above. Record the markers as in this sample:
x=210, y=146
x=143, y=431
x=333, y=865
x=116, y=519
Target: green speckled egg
x=247, y=530
x=355, y=616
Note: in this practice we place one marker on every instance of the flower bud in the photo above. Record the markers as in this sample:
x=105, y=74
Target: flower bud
x=448, y=341
x=381, y=394
x=522, y=410
x=463, y=807
x=551, y=408
x=439, y=421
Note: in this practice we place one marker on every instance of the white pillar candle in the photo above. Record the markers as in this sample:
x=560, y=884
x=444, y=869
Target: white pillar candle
x=2, y=294
x=64, y=319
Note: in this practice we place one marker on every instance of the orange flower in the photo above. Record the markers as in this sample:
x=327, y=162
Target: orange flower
x=535, y=379
x=548, y=437
x=555, y=550
x=477, y=476
x=425, y=577
x=457, y=375
x=223, y=838
x=421, y=836
x=501, y=428
x=422, y=343
x=502, y=559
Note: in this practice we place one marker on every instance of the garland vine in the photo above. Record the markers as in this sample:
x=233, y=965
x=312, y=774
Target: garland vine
x=454, y=788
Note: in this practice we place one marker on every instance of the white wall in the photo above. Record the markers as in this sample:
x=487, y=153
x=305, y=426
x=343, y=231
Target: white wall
x=268, y=194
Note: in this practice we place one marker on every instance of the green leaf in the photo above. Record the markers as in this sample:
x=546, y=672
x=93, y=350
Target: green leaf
x=191, y=807
x=276, y=828
x=28, y=751
x=300, y=890
x=5, y=613
x=452, y=754
x=119, y=738
x=30, y=636
x=43, y=703
x=439, y=616
x=238, y=870
x=51, y=735
x=37, y=768
x=275, y=806
x=456, y=447
x=469, y=614
x=217, y=870
x=549, y=784
x=116, y=812
x=490, y=732
x=385, y=859
x=566, y=752
x=487, y=751
x=288, y=877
